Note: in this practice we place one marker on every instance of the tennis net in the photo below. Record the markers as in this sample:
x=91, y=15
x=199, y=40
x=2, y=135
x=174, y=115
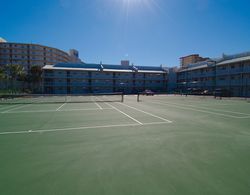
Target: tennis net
x=60, y=98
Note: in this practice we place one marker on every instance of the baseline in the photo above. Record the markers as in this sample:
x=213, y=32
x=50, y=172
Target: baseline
x=78, y=128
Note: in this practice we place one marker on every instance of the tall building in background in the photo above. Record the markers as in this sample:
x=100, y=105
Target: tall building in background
x=74, y=56
x=191, y=59
x=125, y=62
x=29, y=55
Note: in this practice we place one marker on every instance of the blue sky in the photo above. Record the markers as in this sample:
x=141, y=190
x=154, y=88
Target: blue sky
x=147, y=32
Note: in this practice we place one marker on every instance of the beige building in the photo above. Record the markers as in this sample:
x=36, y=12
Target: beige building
x=191, y=59
x=29, y=55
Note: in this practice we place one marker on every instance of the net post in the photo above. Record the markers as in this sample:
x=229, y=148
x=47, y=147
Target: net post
x=138, y=97
x=122, y=97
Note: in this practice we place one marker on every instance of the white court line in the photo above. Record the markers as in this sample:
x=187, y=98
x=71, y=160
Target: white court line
x=4, y=108
x=6, y=111
x=156, y=123
x=79, y=128
x=67, y=129
x=17, y=107
x=69, y=110
x=98, y=105
x=61, y=106
x=212, y=109
x=124, y=113
x=147, y=113
x=185, y=108
x=244, y=117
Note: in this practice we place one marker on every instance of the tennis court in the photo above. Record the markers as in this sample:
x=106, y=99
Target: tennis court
x=159, y=145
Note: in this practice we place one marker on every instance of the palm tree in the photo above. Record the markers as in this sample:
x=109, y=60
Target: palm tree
x=13, y=72
x=2, y=76
x=36, y=77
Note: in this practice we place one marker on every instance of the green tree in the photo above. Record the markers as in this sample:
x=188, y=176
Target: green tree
x=2, y=74
x=36, y=77
x=2, y=77
x=13, y=73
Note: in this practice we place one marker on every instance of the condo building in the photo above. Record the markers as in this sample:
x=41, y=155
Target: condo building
x=230, y=73
x=191, y=59
x=29, y=55
x=70, y=78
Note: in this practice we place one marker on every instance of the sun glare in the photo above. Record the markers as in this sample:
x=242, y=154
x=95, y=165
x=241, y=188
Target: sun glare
x=135, y=2
x=135, y=5
x=132, y=4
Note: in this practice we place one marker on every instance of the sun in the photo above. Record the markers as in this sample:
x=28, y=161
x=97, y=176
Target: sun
x=135, y=2
x=130, y=5
x=132, y=8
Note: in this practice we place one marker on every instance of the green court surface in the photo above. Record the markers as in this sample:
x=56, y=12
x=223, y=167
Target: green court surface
x=172, y=145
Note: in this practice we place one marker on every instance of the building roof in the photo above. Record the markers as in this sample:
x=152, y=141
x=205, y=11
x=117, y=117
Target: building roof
x=241, y=59
x=105, y=67
x=194, y=68
x=32, y=44
x=152, y=71
x=189, y=56
x=52, y=67
x=198, y=65
x=116, y=70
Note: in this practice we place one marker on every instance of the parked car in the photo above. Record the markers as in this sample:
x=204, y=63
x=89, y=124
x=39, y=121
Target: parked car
x=148, y=92
x=206, y=92
x=222, y=93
